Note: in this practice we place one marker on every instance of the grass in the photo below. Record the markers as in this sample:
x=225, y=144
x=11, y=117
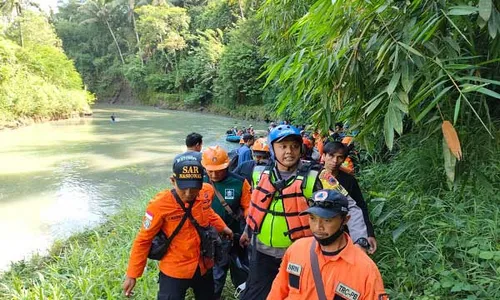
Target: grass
x=434, y=242
x=437, y=243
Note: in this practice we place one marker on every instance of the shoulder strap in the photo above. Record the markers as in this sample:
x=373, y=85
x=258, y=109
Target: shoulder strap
x=318, y=281
x=187, y=212
x=224, y=203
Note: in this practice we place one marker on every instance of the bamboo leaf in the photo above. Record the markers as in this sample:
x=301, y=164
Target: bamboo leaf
x=393, y=83
x=494, y=24
x=388, y=130
x=373, y=105
x=432, y=104
x=411, y=49
x=462, y=10
x=488, y=92
x=485, y=9
x=449, y=164
x=457, y=109
x=452, y=140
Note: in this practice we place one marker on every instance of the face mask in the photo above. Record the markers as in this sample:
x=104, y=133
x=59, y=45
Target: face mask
x=332, y=238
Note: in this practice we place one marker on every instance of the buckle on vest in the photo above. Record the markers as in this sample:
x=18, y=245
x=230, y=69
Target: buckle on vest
x=279, y=185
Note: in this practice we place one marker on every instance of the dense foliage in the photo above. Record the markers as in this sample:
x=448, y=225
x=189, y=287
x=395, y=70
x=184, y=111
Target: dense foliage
x=37, y=80
x=192, y=52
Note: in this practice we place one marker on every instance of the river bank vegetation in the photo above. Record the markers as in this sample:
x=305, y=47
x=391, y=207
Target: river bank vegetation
x=406, y=74
x=37, y=80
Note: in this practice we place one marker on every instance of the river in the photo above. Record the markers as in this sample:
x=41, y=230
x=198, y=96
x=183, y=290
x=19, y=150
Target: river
x=58, y=178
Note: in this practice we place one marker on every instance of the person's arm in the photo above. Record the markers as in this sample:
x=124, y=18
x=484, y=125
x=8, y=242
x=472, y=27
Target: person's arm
x=374, y=288
x=280, y=289
x=152, y=223
x=355, y=193
x=246, y=194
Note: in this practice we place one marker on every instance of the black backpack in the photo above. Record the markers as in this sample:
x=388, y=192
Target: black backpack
x=233, y=159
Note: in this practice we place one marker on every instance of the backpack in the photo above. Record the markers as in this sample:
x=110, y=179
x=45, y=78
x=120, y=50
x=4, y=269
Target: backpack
x=233, y=159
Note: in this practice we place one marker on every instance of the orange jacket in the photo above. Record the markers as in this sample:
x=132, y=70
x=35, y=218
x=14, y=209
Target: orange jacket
x=351, y=274
x=183, y=256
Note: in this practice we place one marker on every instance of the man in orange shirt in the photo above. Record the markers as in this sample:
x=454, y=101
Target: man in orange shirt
x=183, y=265
x=327, y=265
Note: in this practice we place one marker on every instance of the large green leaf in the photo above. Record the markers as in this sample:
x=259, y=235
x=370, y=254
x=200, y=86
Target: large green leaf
x=485, y=9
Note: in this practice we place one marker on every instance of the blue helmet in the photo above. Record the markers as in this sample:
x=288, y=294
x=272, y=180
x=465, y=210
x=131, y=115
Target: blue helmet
x=281, y=132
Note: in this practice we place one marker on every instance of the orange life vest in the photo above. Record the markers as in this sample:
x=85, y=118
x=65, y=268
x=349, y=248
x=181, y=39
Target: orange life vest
x=294, y=202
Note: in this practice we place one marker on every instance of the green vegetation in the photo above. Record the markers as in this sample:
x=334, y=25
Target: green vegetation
x=181, y=53
x=37, y=80
x=394, y=70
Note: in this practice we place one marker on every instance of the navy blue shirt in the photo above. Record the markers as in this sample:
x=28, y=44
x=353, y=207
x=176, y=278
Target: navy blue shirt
x=244, y=154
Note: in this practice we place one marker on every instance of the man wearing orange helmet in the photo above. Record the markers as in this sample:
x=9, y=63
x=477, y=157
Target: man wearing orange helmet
x=252, y=169
x=231, y=202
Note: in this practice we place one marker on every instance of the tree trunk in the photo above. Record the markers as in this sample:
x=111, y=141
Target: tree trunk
x=241, y=9
x=137, y=38
x=116, y=42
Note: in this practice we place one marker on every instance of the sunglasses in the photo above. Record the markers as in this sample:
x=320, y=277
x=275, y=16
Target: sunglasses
x=322, y=204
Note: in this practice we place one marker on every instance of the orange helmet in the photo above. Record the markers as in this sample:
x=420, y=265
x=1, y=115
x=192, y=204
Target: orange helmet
x=214, y=159
x=261, y=145
x=347, y=140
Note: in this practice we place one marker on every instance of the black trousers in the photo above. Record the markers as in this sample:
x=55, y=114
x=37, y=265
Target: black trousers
x=263, y=270
x=175, y=288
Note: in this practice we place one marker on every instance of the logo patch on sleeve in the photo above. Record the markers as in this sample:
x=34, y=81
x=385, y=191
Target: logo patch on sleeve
x=148, y=218
x=345, y=291
x=294, y=269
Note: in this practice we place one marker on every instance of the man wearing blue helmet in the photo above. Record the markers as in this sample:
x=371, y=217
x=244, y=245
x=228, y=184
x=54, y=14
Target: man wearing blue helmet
x=281, y=194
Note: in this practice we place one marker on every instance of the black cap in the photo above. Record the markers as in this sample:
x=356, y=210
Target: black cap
x=188, y=172
x=327, y=204
x=246, y=137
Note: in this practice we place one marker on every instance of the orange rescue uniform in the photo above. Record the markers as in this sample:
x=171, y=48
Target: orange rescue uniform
x=184, y=255
x=351, y=274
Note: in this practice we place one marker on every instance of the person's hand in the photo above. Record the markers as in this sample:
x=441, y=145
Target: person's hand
x=244, y=240
x=373, y=245
x=228, y=232
x=128, y=286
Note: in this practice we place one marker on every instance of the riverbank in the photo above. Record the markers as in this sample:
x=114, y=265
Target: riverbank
x=244, y=112
x=27, y=121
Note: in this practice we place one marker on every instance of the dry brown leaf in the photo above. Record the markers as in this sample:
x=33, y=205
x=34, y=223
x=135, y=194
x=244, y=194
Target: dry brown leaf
x=451, y=137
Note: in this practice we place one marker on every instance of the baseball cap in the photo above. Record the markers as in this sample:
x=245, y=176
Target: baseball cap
x=327, y=204
x=246, y=137
x=188, y=172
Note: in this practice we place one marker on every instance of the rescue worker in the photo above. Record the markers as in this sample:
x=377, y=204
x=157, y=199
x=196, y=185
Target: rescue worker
x=194, y=143
x=244, y=152
x=183, y=265
x=261, y=158
x=334, y=177
x=327, y=265
x=230, y=201
x=275, y=205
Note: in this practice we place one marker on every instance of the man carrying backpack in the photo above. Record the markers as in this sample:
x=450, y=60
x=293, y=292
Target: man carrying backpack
x=181, y=214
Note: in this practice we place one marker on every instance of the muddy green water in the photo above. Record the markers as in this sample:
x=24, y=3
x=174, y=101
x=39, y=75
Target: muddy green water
x=62, y=177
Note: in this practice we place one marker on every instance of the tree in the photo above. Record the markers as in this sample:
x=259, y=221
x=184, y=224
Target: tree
x=100, y=11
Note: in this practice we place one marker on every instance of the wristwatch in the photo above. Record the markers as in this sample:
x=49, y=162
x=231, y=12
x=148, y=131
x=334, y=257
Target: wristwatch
x=363, y=242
